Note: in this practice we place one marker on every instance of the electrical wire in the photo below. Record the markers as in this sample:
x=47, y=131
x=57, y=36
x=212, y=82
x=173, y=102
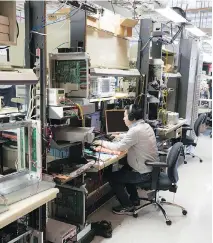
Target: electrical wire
x=44, y=20
x=43, y=34
x=60, y=45
x=140, y=95
x=31, y=94
x=81, y=113
x=113, y=7
x=31, y=112
x=68, y=16
x=146, y=44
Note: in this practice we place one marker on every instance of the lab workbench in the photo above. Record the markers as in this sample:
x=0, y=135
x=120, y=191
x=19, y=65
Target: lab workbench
x=91, y=166
x=23, y=207
x=78, y=199
x=103, y=164
x=170, y=128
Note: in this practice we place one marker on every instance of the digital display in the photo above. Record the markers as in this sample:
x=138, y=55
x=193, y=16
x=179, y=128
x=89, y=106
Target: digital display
x=60, y=91
x=115, y=122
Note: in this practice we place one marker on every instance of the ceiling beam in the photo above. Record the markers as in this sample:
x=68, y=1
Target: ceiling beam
x=208, y=31
x=199, y=9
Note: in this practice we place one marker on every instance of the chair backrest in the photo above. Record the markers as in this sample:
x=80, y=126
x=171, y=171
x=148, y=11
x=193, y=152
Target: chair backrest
x=200, y=121
x=172, y=161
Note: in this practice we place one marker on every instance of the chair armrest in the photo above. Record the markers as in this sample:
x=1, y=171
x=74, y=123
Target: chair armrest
x=161, y=153
x=187, y=128
x=156, y=164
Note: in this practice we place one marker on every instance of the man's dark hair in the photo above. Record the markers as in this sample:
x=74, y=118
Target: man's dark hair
x=135, y=111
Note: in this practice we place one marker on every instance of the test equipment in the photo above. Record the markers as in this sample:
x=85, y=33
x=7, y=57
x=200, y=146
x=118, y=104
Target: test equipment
x=102, y=86
x=70, y=71
x=55, y=96
x=60, y=112
x=59, y=232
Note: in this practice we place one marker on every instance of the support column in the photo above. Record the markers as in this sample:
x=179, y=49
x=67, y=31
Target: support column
x=35, y=20
x=143, y=61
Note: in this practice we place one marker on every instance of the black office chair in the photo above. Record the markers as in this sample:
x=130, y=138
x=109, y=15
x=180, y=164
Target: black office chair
x=209, y=122
x=187, y=140
x=162, y=181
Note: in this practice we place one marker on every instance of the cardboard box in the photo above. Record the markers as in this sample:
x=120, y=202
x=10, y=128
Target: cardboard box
x=4, y=29
x=128, y=22
x=168, y=68
x=124, y=31
x=8, y=18
x=4, y=37
x=168, y=63
x=4, y=20
x=121, y=31
x=92, y=22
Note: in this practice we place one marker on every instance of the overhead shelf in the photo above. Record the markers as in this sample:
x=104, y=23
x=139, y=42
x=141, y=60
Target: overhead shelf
x=14, y=125
x=18, y=76
x=114, y=72
x=117, y=96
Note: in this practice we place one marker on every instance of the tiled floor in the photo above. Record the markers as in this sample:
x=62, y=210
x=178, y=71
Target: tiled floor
x=194, y=193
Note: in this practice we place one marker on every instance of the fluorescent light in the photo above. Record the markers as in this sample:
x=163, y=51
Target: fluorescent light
x=170, y=14
x=195, y=31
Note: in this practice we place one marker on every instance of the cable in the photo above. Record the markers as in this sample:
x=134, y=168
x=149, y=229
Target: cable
x=60, y=45
x=31, y=94
x=34, y=28
x=113, y=7
x=60, y=7
x=145, y=45
x=81, y=113
x=17, y=29
x=137, y=98
x=176, y=35
x=35, y=32
x=60, y=20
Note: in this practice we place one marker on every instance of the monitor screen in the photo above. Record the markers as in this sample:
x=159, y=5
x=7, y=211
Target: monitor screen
x=115, y=122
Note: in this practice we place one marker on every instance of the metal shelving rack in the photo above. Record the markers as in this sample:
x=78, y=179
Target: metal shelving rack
x=35, y=15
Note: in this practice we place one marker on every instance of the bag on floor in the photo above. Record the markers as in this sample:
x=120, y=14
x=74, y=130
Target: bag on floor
x=103, y=228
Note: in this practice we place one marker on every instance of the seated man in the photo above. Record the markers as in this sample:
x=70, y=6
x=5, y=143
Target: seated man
x=141, y=144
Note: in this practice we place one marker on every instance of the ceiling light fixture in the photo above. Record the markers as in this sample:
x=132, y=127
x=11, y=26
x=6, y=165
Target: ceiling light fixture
x=170, y=14
x=195, y=31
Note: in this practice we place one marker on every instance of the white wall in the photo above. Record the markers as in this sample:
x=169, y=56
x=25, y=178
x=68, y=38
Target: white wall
x=57, y=34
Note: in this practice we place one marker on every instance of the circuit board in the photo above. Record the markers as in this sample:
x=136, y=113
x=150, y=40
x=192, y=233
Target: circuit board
x=71, y=71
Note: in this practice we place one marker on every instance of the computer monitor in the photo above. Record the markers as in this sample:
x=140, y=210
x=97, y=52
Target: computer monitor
x=115, y=122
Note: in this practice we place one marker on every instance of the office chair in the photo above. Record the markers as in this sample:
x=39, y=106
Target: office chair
x=209, y=122
x=187, y=140
x=162, y=181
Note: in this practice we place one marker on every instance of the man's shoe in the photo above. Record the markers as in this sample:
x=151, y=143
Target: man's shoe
x=123, y=210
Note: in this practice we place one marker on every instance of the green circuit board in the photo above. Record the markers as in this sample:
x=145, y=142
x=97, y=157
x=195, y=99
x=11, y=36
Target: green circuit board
x=70, y=71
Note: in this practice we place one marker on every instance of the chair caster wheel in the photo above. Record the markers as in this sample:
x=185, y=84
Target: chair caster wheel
x=163, y=200
x=193, y=156
x=201, y=160
x=185, y=162
x=135, y=215
x=169, y=222
x=184, y=212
